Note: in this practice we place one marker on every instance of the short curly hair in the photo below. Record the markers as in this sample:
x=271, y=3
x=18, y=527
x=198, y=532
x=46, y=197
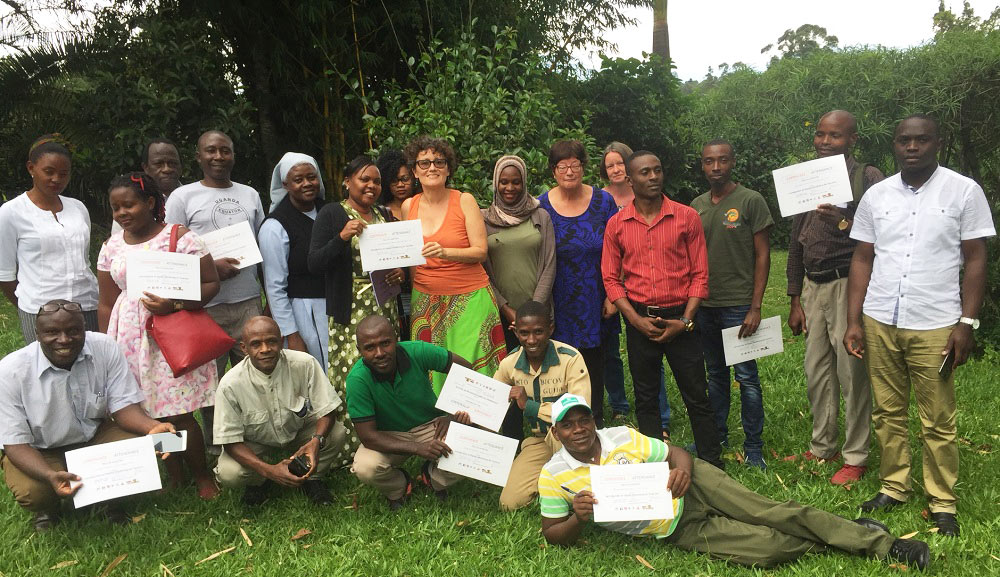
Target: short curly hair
x=438, y=145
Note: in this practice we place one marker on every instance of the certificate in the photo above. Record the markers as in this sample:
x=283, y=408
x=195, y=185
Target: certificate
x=234, y=241
x=804, y=186
x=766, y=341
x=484, y=399
x=636, y=492
x=169, y=275
x=391, y=245
x=478, y=454
x=114, y=470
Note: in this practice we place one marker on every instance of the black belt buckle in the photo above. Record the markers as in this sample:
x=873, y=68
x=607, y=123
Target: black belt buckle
x=657, y=312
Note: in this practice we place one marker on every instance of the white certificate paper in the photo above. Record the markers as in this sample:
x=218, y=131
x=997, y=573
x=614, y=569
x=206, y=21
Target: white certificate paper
x=485, y=399
x=114, y=470
x=391, y=245
x=766, y=341
x=169, y=275
x=234, y=241
x=804, y=186
x=478, y=454
x=636, y=492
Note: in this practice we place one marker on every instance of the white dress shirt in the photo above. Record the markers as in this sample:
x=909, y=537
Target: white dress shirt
x=47, y=254
x=44, y=406
x=918, y=236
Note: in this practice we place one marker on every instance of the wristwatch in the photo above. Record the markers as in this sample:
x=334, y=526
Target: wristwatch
x=322, y=440
x=688, y=324
x=844, y=224
x=178, y=306
x=974, y=323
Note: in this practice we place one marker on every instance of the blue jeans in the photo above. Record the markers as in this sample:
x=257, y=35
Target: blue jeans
x=711, y=321
x=614, y=383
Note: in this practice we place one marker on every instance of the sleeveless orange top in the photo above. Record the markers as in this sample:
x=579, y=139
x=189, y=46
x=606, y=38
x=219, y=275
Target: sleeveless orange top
x=447, y=277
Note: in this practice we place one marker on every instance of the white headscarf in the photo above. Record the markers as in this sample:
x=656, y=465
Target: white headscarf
x=287, y=162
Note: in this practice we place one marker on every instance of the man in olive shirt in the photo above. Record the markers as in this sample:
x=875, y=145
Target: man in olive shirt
x=819, y=258
x=275, y=400
x=539, y=372
x=737, y=223
x=391, y=402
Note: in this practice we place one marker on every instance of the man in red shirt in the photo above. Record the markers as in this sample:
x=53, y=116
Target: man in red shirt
x=655, y=269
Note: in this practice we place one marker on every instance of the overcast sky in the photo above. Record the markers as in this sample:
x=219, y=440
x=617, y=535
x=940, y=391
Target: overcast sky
x=705, y=33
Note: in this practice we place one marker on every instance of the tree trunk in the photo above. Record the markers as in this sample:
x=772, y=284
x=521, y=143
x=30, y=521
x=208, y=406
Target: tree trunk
x=661, y=36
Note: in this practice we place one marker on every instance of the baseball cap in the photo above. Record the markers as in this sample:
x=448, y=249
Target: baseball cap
x=566, y=402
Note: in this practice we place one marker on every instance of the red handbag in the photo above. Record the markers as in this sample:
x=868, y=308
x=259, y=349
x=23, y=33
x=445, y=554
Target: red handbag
x=187, y=339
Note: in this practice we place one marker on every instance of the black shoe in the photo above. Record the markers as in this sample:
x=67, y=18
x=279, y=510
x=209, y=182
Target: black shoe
x=871, y=524
x=255, y=495
x=317, y=492
x=946, y=523
x=396, y=504
x=880, y=502
x=42, y=522
x=911, y=552
x=116, y=515
x=425, y=476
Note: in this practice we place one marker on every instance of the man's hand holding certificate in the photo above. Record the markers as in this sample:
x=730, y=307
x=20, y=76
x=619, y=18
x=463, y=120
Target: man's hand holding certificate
x=636, y=492
x=113, y=470
x=766, y=341
x=391, y=245
x=478, y=454
x=485, y=399
x=804, y=186
x=236, y=241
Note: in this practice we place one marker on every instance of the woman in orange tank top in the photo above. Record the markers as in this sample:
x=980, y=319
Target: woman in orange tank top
x=453, y=305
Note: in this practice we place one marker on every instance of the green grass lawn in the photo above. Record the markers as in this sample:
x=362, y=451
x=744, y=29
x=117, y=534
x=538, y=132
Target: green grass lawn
x=468, y=535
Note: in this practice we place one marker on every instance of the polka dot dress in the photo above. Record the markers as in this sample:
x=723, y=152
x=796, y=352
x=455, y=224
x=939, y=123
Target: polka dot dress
x=343, y=351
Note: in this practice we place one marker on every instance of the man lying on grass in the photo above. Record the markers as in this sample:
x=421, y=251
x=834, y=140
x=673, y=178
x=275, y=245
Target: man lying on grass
x=713, y=513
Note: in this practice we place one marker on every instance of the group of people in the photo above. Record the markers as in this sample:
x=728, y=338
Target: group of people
x=530, y=291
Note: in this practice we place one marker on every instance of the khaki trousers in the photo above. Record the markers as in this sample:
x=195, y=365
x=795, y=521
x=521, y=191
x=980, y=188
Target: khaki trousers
x=38, y=496
x=230, y=317
x=380, y=470
x=897, y=360
x=831, y=372
x=728, y=521
x=232, y=474
x=522, y=483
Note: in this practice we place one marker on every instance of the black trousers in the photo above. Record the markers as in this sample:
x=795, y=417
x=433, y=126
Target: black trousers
x=687, y=363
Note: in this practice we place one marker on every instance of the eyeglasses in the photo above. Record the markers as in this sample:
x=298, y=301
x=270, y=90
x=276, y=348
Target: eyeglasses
x=424, y=164
x=564, y=168
x=54, y=307
x=405, y=179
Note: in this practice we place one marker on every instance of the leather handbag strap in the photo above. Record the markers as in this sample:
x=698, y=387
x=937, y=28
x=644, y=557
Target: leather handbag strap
x=173, y=237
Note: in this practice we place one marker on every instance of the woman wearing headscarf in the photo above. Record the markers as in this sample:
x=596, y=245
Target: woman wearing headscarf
x=296, y=296
x=520, y=244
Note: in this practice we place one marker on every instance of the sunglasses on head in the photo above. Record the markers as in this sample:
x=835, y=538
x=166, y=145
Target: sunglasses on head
x=54, y=307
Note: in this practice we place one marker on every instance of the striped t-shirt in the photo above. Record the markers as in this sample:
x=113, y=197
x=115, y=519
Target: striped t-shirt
x=619, y=446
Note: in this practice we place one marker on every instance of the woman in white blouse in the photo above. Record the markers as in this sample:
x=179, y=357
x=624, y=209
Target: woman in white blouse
x=45, y=241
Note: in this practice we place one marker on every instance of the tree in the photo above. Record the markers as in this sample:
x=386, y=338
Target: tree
x=661, y=35
x=802, y=41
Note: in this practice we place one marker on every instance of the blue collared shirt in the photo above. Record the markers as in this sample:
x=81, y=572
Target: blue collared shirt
x=44, y=406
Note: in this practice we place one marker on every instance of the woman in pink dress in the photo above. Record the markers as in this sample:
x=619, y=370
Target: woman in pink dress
x=137, y=206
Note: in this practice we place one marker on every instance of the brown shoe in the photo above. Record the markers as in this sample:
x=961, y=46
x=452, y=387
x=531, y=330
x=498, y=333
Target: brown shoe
x=42, y=522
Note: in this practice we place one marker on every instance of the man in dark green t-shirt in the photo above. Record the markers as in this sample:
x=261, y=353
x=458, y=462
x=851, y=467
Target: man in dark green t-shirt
x=391, y=402
x=737, y=222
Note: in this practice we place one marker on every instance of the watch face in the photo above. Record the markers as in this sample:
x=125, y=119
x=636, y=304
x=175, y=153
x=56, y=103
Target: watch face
x=975, y=324
x=842, y=225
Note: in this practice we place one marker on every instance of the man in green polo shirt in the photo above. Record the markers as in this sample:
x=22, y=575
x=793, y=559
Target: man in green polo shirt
x=391, y=402
x=713, y=513
x=539, y=372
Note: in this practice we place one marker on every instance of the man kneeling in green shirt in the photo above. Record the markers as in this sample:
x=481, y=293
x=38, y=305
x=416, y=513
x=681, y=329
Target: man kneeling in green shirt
x=713, y=513
x=391, y=402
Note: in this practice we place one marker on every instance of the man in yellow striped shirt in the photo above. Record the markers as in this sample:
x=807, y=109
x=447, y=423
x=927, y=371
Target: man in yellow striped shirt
x=713, y=513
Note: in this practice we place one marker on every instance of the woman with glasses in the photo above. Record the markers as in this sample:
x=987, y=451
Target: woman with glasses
x=45, y=241
x=137, y=206
x=453, y=304
x=584, y=317
x=397, y=186
x=334, y=252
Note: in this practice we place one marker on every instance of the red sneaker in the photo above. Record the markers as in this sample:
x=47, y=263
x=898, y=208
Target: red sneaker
x=809, y=456
x=848, y=474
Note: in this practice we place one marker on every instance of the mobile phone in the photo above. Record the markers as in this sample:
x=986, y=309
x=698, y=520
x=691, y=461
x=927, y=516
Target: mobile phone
x=947, y=364
x=299, y=466
x=170, y=442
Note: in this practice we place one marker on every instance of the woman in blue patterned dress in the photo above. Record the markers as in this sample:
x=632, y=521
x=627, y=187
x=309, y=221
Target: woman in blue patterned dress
x=584, y=317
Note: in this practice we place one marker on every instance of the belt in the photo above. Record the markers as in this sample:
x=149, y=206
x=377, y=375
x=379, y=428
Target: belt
x=825, y=276
x=662, y=312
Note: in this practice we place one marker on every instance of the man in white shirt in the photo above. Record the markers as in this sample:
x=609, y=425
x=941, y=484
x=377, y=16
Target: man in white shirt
x=914, y=230
x=205, y=206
